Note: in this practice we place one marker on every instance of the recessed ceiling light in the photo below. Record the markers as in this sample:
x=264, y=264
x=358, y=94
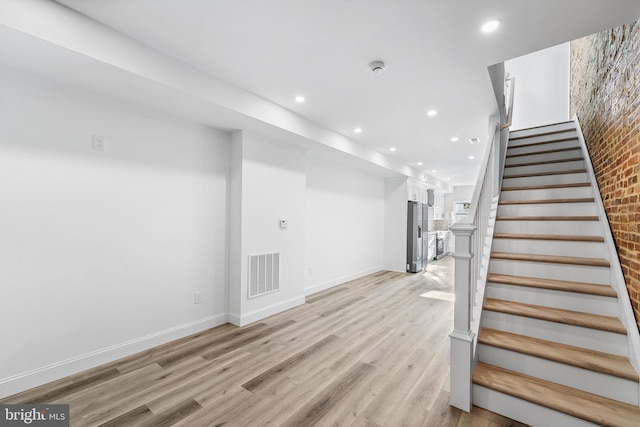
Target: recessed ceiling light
x=474, y=140
x=299, y=99
x=454, y=139
x=357, y=130
x=490, y=26
x=448, y=179
x=419, y=163
x=433, y=171
x=471, y=157
x=432, y=113
x=392, y=149
x=377, y=67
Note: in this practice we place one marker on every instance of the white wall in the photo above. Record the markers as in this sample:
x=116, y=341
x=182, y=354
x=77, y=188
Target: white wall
x=395, y=225
x=101, y=252
x=542, y=87
x=344, y=224
x=272, y=188
x=461, y=193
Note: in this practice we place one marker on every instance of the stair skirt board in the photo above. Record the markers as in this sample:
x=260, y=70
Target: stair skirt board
x=596, y=383
x=522, y=410
x=544, y=270
x=594, y=304
x=606, y=342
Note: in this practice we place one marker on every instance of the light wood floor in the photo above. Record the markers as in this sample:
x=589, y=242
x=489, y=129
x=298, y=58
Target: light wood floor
x=371, y=352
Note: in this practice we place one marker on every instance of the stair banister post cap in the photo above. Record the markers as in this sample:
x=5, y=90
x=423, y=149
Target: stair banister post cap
x=462, y=228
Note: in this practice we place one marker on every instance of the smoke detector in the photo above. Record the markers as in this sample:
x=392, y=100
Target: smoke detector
x=377, y=67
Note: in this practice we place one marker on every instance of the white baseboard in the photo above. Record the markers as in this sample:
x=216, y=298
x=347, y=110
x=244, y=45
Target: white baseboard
x=340, y=280
x=36, y=377
x=261, y=313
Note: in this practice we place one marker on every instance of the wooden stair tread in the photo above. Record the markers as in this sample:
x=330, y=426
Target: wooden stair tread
x=530, y=175
x=548, y=218
x=544, y=162
x=597, y=361
x=558, y=315
x=554, y=259
x=557, y=237
x=577, y=403
x=547, y=187
x=555, y=150
x=547, y=201
x=552, y=284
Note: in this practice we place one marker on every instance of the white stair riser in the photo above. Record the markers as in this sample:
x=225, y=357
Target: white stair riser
x=550, y=247
x=594, y=304
x=542, y=157
x=548, y=270
x=522, y=410
x=524, y=148
x=580, y=228
x=582, y=379
x=547, y=167
x=607, y=342
x=559, y=131
x=565, y=178
x=546, y=209
x=547, y=193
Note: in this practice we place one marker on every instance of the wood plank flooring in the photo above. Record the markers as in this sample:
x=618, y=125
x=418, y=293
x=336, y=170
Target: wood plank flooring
x=371, y=352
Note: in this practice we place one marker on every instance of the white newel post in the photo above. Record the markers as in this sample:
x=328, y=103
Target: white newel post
x=462, y=338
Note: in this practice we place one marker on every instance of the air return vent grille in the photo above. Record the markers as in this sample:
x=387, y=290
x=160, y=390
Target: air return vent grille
x=264, y=274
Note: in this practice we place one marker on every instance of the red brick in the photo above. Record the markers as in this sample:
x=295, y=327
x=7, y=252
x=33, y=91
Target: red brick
x=605, y=94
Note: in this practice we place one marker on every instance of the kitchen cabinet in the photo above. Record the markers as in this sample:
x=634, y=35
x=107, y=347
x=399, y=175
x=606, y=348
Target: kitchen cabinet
x=416, y=191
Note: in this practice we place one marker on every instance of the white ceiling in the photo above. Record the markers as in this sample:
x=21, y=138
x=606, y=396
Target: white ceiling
x=436, y=58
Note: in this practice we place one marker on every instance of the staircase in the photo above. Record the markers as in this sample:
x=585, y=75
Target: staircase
x=552, y=351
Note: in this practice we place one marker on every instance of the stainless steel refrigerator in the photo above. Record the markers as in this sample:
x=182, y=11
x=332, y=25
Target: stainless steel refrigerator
x=417, y=240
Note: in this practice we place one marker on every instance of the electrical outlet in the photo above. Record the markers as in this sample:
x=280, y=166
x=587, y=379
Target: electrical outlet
x=310, y=272
x=197, y=297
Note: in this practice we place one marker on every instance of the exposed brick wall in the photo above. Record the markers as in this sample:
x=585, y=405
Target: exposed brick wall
x=605, y=94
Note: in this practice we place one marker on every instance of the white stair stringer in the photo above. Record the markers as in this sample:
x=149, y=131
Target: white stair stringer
x=553, y=228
